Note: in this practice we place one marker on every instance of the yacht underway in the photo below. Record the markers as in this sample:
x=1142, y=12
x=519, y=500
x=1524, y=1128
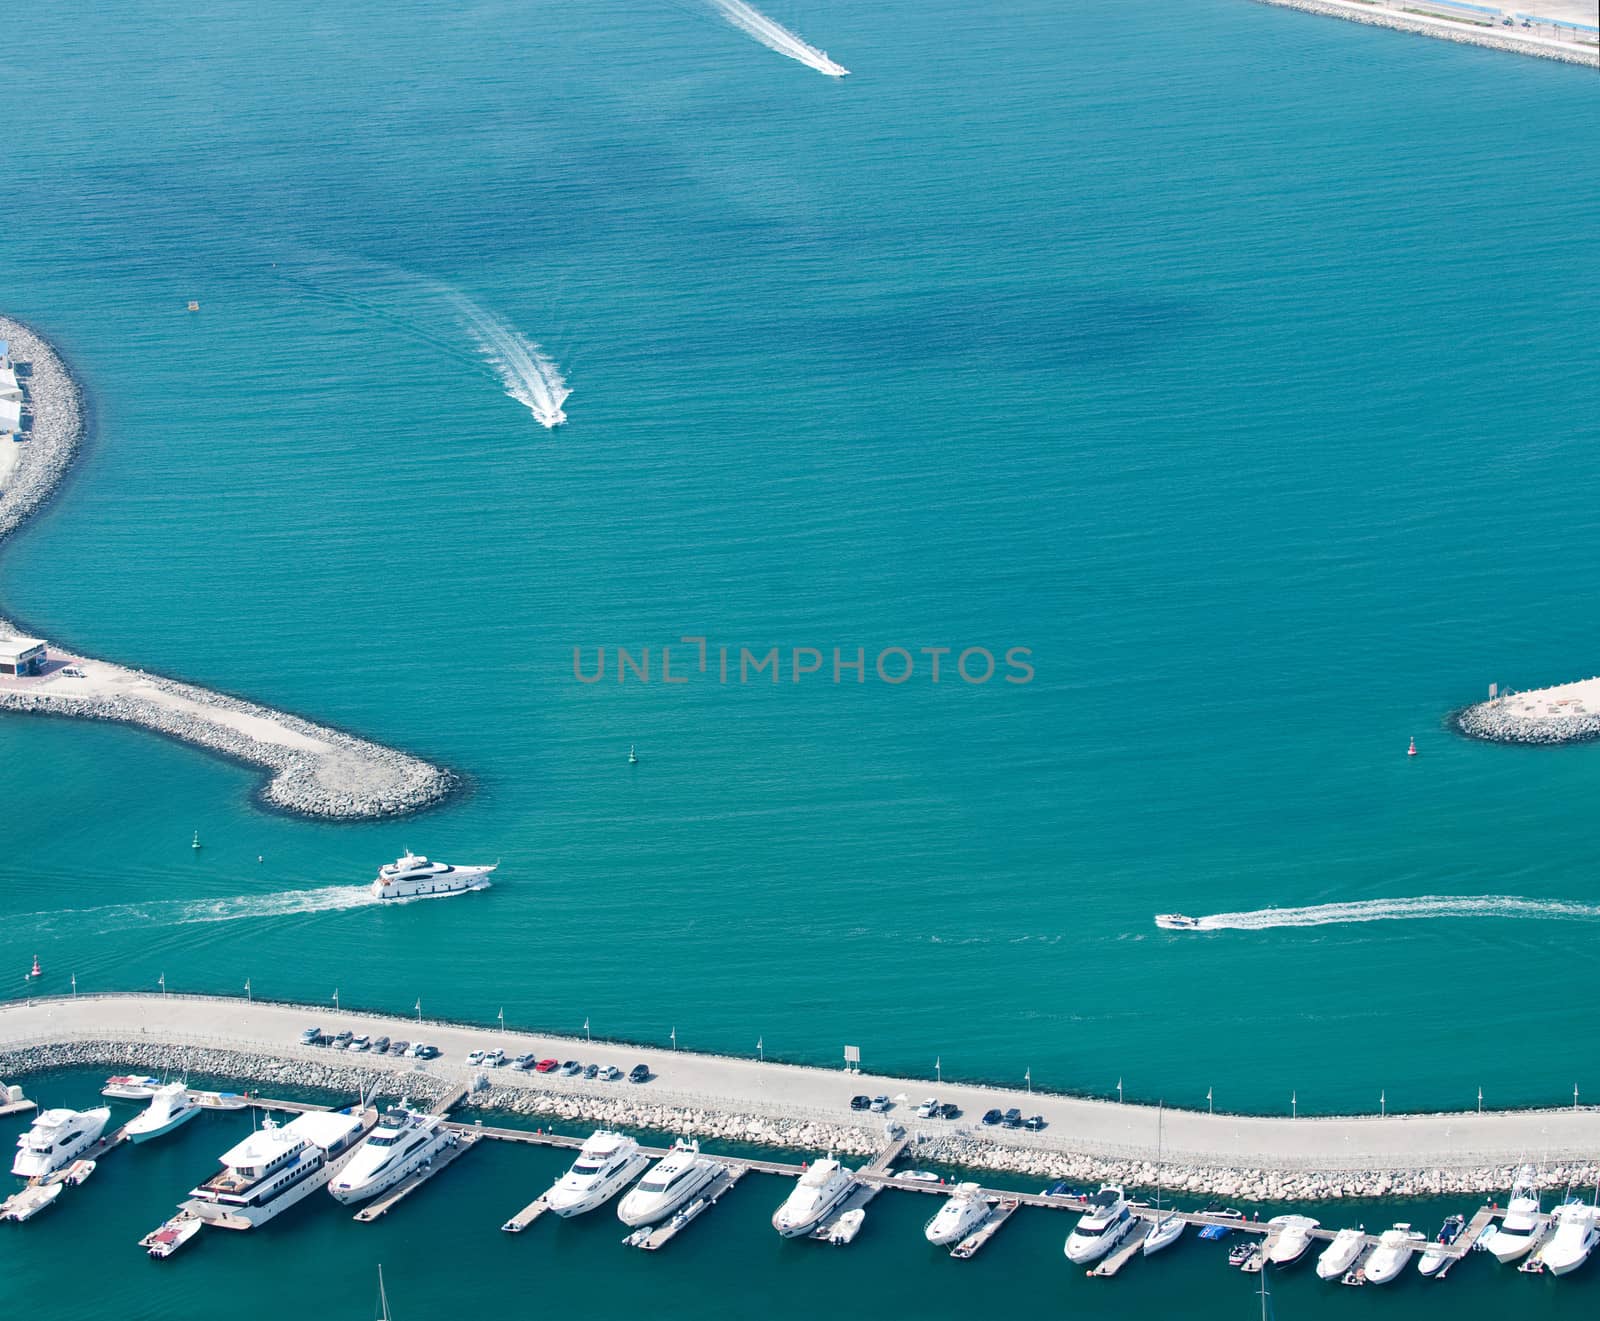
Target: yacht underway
x=605, y=1165
x=1574, y=1239
x=401, y=1143
x=1395, y=1249
x=1341, y=1254
x=170, y=1105
x=1102, y=1227
x=818, y=1191
x=1294, y=1239
x=1521, y=1227
x=413, y=877
x=275, y=1167
x=671, y=1182
x=56, y=1138
x=964, y=1210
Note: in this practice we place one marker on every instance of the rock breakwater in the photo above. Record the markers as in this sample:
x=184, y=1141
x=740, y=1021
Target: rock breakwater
x=1569, y=713
x=1368, y=13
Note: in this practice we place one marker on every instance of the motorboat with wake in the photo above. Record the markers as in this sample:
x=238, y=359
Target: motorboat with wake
x=816, y=1193
x=402, y=1142
x=412, y=876
x=607, y=1162
x=1396, y=1247
x=1104, y=1225
x=1294, y=1239
x=963, y=1211
x=1521, y=1226
x=1177, y=922
x=668, y=1184
x=278, y=1166
x=170, y=1105
x=1340, y=1255
x=1434, y=1259
x=55, y=1140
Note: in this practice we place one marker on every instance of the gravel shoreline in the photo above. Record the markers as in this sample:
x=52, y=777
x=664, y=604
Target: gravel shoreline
x=315, y=771
x=1493, y=722
x=639, y=1110
x=1402, y=22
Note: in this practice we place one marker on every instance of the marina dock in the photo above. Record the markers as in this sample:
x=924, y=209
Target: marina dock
x=382, y=1205
x=975, y=1242
x=1126, y=1251
x=660, y=1235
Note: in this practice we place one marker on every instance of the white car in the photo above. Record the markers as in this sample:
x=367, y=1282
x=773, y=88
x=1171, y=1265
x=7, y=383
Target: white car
x=476, y=1058
x=494, y=1058
x=610, y=1073
x=928, y=1109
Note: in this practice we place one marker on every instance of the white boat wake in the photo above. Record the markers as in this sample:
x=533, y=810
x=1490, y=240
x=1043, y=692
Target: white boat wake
x=529, y=374
x=182, y=912
x=774, y=36
x=1393, y=910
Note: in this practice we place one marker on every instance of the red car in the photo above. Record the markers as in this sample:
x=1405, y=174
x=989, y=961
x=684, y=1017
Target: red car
x=547, y=1066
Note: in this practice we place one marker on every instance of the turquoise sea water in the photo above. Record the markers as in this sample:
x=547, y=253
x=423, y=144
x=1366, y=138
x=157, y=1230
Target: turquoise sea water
x=1238, y=363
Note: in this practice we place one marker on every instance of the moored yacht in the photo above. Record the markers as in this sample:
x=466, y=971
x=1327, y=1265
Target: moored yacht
x=1395, y=1248
x=1294, y=1239
x=816, y=1193
x=1434, y=1259
x=1340, y=1254
x=671, y=1182
x=964, y=1210
x=1575, y=1236
x=55, y=1139
x=414, y=877
x=606, y=1163
x=170, y=1105
x=1102, y=1226
x=130, y=1087
x=401, y=1143
x=275, y=1167
x=1521, y=1227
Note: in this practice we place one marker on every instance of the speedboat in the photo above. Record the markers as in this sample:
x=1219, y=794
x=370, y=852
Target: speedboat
x=816, y=1193
x=170, y=1105
x=56, y=1139
x=130, y=1087
x=1341, y=1254
x=278, y=1166
x=29, y=1202
x=963, y=1211
x=1294, y=1239
x=412, y=876
x=1520, y=1227
x=401, y=1143
x=1395, y=1248
x=1177, y=922
x=162, y=1243
x=1163, y=1234
x=606, y=1163
x=79, y=1171
x=846, y=1227
x=671, y=1182
x=1574, y=1239
x=1434, y=1258
x=1102, y=1227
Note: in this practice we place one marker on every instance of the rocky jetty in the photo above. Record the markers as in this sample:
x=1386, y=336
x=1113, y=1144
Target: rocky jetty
x=314, y=770
x=1568, y=713
x=1404, y=20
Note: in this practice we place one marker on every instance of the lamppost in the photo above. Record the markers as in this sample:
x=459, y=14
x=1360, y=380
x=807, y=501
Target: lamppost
x=1294, y=1105
x=249, y=998
x=162, y=982
x=938, y=1072
x=419, y=1011
x=74, y=985
x=674, y=1038
x=1383, y=1104
x=502, y=1017
x=1119, y=1091
x=586, y=1029
x=1209, y=1109
x=1480, y=1098
x=761, y=1053
x=336, y=999
x=1027, y=1077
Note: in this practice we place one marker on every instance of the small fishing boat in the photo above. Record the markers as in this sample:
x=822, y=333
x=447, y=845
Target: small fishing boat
x=29, y=1202
x=1433, y=1259
x=79, y=1172
x=1341, y=1253
x=221, y=1100
x=163, y=1242
x=846, y=1227
x=1177, y=922
x=1240, y=1253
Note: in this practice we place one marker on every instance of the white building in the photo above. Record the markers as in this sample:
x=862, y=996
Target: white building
x=21, y=655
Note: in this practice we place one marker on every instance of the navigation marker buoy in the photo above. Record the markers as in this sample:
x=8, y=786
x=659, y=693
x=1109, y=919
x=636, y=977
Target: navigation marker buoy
x=36, y=970
x=1412, y=750
x=633, y=756
x=196, y=843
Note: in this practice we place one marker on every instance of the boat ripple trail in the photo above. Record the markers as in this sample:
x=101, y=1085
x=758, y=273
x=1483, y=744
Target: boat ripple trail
x=1392, y=910
x=530, y=376
x=774, y=36
x=181, y=912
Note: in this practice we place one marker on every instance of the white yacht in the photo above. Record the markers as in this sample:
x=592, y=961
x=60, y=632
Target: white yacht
x=170, y=1105
x=414, y=877
x=1340, y=1255
x=1163, y=1234
x=402, y=1142
x=1395, y=1249
x=1575, y=1236
x=1103, y=1226
x=817, y=1192
x=56, y=1138
x=275, y=1167
x=130, y=1087
x=673, y=1180
x=1520, y=1228
x=606, y=1164
x=964, y=1210
x=1294, y=1239
x=1177, y=922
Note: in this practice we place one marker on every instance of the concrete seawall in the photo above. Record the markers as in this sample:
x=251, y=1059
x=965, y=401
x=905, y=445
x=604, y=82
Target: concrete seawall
x=1567, y=713
x=1257, y=1158
x=314, y=770
x=1405, y=18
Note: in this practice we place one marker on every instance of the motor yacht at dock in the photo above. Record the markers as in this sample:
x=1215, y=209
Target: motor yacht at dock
x=1102, y=1227
x=964, y=1210
x=606, y=1164
x=1395, y=1249
x=1340, y=1255
x=130, y=1087
x=1294, y=1239
x=55, y=1139
x=1575, y=1236
x=401, y=1143
x=816, y=1193
x=412, y=876
x=170, y=1105
x=276, y=1167
x=1521, y=1226
x=670, y=1182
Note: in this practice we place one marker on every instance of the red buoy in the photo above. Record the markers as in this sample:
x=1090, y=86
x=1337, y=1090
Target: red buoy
x=36, y=972
x=1412, y=750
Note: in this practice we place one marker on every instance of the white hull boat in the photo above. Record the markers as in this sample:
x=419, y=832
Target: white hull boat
x=964, y=1210
x=607, y=1163
x=163, y=1242
x=29, y=1202
x=846, y=1227
x=818, y=1191
x=401, y=1144
x=1340, y=1254
x=170, y=1106
x=1519, y=1229
x=671, y=1182
x=56, y=1139
x=130, y=1087
x=413, y=877
x=278, y=1167
x=1294, y=1239
x=1393, y=1254
x=1575, y=1236
x=1163, y=1234
x=1101, y=1228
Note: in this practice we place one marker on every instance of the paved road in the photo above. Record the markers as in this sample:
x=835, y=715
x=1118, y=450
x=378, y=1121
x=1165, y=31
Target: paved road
x=745, y=1086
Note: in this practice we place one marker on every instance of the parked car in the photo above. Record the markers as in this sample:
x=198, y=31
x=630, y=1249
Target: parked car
x=949, y=1110
x=494, y=1058
x=861, y=1103
x=1012, y=1118
x=570, y=1069
x=359, y=1043
x=428, y=1052
x=992, y=1116
x=639, y=1073
x=1033, y=1123
x=398, y=1047
x=591, y=1070
x=475, y=1058
x=523, y=1062
x=342, y=1040
x=380, y=1045
x=928, y=1109
x=547, y=1066
x=312, y=1036
x=881, y=1104
x=610, y=1073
